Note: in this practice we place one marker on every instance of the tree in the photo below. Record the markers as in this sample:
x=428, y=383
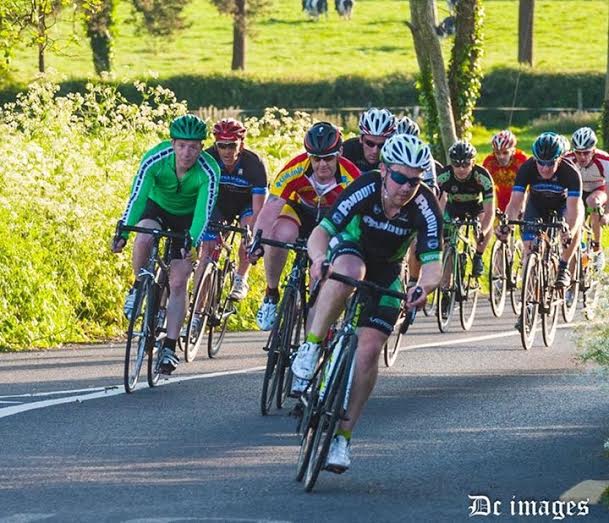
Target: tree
x=98, y=23
x=526, y=10
x=243, y=12
x=161, y=18
x=605, y=117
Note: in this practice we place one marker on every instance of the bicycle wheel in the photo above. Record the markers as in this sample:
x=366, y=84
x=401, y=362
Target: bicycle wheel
x=310, y=418
x=139, y=334
x=292, y=340
x=446, y=292
x=529, y=313
x=551, y=303
x=199, y=313
x=497, y=279
x=392, y=345
x=225, y=307
x=160, y=330
x=331, y=409
x=468, y=289
x=430, y=303
x=571, y=293
x=515, y=275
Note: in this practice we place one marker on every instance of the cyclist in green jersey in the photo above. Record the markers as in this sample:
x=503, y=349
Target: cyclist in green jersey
x=175, y=188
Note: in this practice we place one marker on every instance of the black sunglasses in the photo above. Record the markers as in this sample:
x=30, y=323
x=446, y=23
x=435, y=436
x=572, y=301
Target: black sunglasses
x=372, y=145
x=231, y=145
x=461, y=163
x=401, y=179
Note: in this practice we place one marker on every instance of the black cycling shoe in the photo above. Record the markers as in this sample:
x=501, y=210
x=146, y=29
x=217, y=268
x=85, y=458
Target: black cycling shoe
x=169, y=361
x=563, y=278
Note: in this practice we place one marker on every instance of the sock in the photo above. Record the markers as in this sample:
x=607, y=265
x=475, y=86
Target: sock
x=345, y=433
x=562, y=264
x=272, y=294
x=169, y=344
x=313, y=338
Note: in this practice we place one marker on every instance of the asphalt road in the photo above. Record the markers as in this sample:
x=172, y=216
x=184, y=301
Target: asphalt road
x=459, y=415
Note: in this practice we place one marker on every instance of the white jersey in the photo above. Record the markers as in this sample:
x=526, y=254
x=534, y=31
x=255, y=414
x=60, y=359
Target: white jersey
x=596, y=174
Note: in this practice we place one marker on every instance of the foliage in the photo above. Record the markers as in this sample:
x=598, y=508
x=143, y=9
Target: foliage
x=161, y=18
x=99, y=21
x=593, y=336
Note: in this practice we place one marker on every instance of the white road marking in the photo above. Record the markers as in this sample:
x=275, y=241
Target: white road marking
x=11, y=402
x=591, y=489
x=112, y=391
x=53, y=393
x=25, y=518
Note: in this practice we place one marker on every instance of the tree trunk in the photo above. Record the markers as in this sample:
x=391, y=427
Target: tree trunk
x=526, y=11
x=239, y=34
x=429, y=51
x=605, y=117
x=42, y=40
x=98, y=30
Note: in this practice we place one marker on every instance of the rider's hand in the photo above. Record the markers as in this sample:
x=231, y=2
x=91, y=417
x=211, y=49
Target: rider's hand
x=315, y=270
x=254, y=256
x=190, y=255
x=565, y=236
x=502, y=232
x=417, y=303
x=118, y=244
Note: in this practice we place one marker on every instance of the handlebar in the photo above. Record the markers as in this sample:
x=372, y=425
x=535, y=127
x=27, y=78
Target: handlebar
x=257, y=244
x=223, y=227
x=156, y=232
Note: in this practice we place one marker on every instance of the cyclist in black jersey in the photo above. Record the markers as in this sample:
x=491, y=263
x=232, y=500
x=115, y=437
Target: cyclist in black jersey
x=365, y=236
x=467, y=189
x=375, y=126
x=554, y=184
x=243, y=185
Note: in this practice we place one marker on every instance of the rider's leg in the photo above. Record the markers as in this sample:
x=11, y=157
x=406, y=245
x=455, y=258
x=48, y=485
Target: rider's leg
x=142, y=245
x=284, y=230
x=179, y=272
x=244, y=264
x=595, y=201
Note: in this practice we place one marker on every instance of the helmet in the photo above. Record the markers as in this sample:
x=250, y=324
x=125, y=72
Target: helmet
x=583, y=139
x=407, y=126
x=323, y=138
x=461, y=151
x=377, y=122
x=504, y=140
x=229, y=129
x=188, y=127
x=548, y=146
x=408, y=150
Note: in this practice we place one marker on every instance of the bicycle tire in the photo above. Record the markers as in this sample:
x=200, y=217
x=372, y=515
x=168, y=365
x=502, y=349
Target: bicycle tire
x=137, y=336
x=292, y=339
x=430, y=303
x=224, y=309
x=551, y=303
x=530, y=302
x=199, y=307
x=497, y=278
x=153, y=373
x=391, y=348
x=309, y=424
x=570, y=294
x=468, y=290
x=446, y=295
x=516, y=275
x=331, y=410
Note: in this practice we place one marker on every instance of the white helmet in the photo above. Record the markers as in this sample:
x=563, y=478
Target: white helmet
x=408, y=150
x=406, y=125
x=583, y=139
x=377, y=122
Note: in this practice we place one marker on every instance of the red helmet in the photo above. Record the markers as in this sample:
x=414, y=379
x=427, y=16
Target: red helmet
x=229, y=129
x=503, y=140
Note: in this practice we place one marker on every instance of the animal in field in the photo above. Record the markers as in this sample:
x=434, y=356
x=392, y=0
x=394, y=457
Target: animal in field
x=344, y=8
x=315, y=8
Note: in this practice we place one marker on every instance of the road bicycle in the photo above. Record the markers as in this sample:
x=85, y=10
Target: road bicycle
x=406, y=318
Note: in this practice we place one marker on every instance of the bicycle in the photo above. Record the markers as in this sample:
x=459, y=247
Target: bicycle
x=459, y=285
x=540, y=297
x=405, y=320
x=147, y=324
x=505, y=272
x=589, y=283
x=326, y=398
x=288, y=329
x=210, y=304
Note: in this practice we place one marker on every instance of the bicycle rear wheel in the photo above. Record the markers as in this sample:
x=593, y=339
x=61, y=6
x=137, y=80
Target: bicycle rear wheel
x=551, y=304
x=497, y=279
x=199, y=313
x=446, y=292
x=529, y=313
x=571, y=293
x=225, y=307
x=331, y=409
x=139, y=334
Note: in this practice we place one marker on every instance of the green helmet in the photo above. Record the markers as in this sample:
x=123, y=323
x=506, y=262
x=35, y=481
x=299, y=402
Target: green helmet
x=188, y=127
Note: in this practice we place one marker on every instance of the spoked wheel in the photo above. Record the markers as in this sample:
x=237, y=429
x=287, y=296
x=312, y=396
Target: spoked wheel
x=551, y=304
x=469, y=287
x=199, y=313
x=392, y=345
x=308, y=423
x=218, y=321
x=529, y=313
x=571, y=293
x=497, y=278
x=515, y=274
x=446, y=292
x=331, y=409
x=139, y=336
x=291, y=342
x=430, y=303
x=154, y=351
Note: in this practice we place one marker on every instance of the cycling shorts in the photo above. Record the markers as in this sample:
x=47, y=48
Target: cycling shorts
x=533, y=213
x=169, y=222
x=301, y=216
x=225, y=214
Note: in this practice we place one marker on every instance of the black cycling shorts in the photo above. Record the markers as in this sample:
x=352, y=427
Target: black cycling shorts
x=169, y=222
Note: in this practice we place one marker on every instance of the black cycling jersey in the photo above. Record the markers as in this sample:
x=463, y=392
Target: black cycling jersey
x=359, y=212
x=549, y=194
x=354, y=150
x=477, y=188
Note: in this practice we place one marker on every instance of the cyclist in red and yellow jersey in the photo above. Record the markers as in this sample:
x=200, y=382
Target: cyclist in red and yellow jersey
x=300, y=196
x=503, y=164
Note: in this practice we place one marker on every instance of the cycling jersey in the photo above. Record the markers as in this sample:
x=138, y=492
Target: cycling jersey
x=157, y=180
x=294, y=184
x=477, y=188
x=549, y=194
x=353, y=150
x=504, y=176
x=596, y=174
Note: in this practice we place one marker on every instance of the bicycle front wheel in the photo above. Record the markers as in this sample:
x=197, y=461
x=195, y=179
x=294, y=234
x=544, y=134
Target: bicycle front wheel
x=447, y=291
x=515, y=274
x=551, y=303
x=224, y=309
x=139, y=334
x=529, y=313
x=570, y=293
x=497, y=280
x=199, y=313
x=290, y=344
x=468, y=289
x=160, y=329
x=392, y=345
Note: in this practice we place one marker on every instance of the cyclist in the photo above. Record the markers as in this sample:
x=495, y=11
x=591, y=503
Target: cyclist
x=503, y=164
x=375, y=126
x=365, y=236
x=299, y=197
x=467, y=189
x=554, y=184
x=243, y=181
x=175, y=188
x=594, y=167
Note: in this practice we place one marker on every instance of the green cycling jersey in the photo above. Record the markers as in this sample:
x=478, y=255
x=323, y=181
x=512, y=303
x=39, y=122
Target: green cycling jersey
x=156, y=179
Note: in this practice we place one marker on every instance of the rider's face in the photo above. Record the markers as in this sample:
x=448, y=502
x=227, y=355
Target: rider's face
x=324, y=167
x=401, y=182
x=372, y=147
x=548, y=170
x=229, y=152
x=187, y=152
x=584, y=158
x=462, y=169
x=504, y=156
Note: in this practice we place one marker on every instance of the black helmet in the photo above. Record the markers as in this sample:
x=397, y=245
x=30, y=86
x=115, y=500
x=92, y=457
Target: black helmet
x=548, y=146
x=323, y=138
x=461, y=151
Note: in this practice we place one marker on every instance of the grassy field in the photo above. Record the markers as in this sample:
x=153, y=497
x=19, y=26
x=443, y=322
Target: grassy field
x=570, y=36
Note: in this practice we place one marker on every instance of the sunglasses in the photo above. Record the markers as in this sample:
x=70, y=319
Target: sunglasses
x=327, y=158
x=463, y=163
x=401, y=179
x=545, y=163
x=371, y=144
x=223, y=146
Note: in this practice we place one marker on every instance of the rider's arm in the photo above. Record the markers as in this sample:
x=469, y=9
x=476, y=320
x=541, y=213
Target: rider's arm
x=317, y=247
x=488, y=201
x=257, y=204
x=430, y=276
x=516, y=204
x=268, y=215
x=206, y=198
x=574, y=214
x=442, y=201
x=429, y=245
x=575, y=211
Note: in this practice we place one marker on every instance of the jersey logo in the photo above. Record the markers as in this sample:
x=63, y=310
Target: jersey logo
x=346, y=205
x=428, y=214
